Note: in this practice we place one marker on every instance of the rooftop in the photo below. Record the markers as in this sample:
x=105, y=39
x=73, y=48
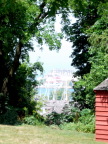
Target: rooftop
x=102, y=86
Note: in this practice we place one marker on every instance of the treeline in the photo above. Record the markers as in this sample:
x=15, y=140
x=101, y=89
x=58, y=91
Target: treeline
x=89, y=35
x=22, y=21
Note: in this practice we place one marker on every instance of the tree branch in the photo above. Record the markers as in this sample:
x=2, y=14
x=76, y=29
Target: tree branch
x=16, y=59
x=40, y=17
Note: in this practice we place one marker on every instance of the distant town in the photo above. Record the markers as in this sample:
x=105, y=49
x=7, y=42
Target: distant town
x=55, y=90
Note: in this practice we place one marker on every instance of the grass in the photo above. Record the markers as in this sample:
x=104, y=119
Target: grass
x=26, y=134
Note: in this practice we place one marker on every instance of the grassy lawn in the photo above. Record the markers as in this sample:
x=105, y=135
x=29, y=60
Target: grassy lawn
x=43, y=135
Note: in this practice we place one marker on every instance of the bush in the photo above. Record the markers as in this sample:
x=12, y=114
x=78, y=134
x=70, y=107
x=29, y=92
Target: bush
x=31, y=120
x=68, y=115
x=10, y=117
x=54, y=118
x=85, y=128
x=71, y=114
x=86, y=116
x=73, y=119
x=86, y=122
x=68, y=126
x=89, y=128
x=35, y=119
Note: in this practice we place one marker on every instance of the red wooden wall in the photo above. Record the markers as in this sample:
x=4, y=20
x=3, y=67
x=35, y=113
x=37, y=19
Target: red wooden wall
x=101, y=113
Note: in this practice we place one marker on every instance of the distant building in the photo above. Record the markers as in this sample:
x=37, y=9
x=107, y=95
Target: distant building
x=55, y=89
x=57, y=81
x=53, y=106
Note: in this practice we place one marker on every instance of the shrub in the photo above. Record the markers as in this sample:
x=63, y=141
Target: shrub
x=86, y=117
x=54, y=118
x=10, y=117
x=86, y=122
x=30, y=120
x=68, y=126
x=71, y=114
x=89, y=128
x=73, y=119
x=34, y=119
x=85, y=128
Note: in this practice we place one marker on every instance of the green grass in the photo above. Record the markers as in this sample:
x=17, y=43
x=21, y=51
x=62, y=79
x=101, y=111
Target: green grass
x=43, y=135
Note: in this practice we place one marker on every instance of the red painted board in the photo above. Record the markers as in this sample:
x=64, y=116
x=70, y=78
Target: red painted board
x=99, y=136
x=105, y=132
x=103, y=99
x=102, y=95
x=101, y=127
x=101, y=123
x=101, y=109
x=101, y=104
x=101, y=113
x=101, y=140
x=103, y=118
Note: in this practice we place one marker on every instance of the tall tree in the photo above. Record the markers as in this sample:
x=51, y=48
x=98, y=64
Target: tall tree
x=20, y=21
x=98, y=50
x=85, y=13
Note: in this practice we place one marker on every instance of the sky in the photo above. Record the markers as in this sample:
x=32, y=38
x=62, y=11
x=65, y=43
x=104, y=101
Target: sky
x=53, y=60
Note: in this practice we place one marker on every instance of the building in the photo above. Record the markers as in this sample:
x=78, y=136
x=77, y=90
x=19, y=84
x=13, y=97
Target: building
x=55, y=89
x=101, y=111
x=56, y=81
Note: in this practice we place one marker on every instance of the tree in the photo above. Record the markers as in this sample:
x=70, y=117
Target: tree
x=20, y=21
x=85, y=13
x=99, y=71
x=22, y=90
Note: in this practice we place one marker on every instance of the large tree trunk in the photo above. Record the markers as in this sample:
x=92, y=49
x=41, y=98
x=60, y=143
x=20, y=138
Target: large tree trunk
x=12, y=70
x=15, y=65
x=2, y=65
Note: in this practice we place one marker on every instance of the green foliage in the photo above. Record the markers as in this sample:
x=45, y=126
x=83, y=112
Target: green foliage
x=54, y=118
x=84, y=123
x=80, y=53
x=22, y=21
x=85, y=128
x=90, y=54
x=80, y=127
x=68, y=126
x=22, y=88
x=21, y=97
x=86, y=15
x=68, y=115
x=3, y=103
x=32, y=120
x=10, y=117
x=73, y=119
x=79, y=94
x=86, y=117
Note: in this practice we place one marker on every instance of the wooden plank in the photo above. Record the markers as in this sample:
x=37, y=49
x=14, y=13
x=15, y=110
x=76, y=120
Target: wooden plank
x=103, y=118
x=99, y=136
x=102, y=93
x=101, y=104
x=102, y=123
x=103, y=132
x=102, y=99
x=101, y=113
x=101, y=127
x=101, y=140
x=104, y=109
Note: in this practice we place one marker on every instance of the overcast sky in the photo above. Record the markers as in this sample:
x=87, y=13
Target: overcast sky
x=53, y=59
